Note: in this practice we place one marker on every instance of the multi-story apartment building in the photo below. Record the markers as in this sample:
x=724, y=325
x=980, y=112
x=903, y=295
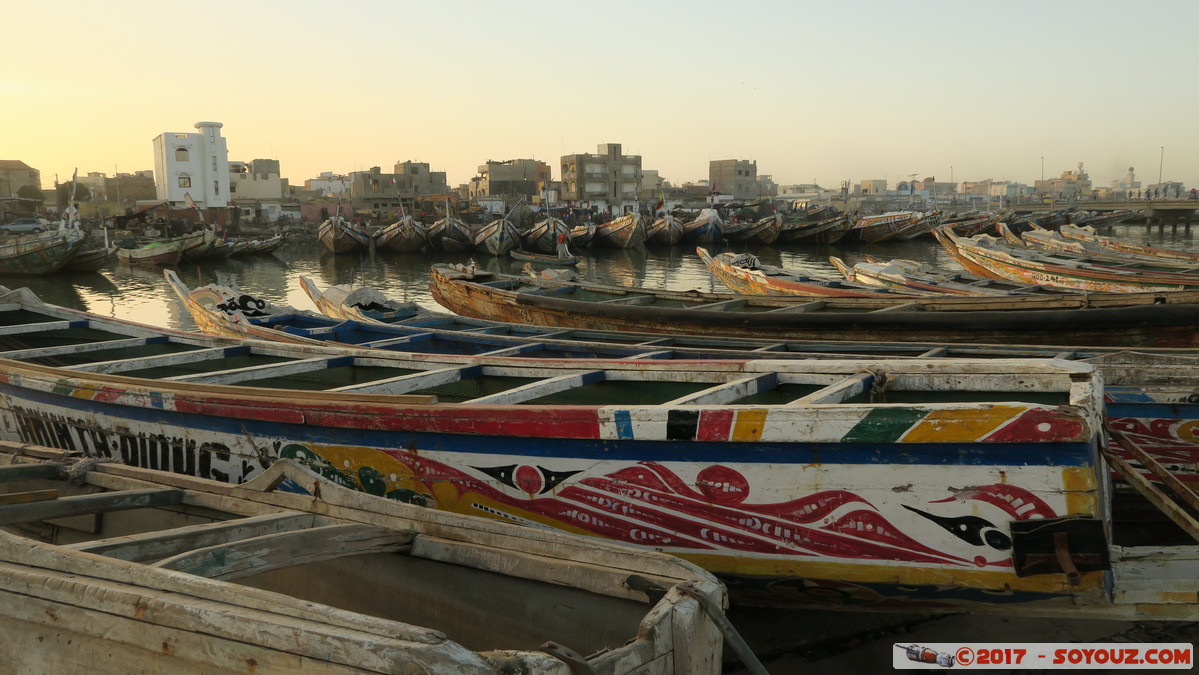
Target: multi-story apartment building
x=329, y=184
x=258, y=179
x=607, y=180
x=258, y=190
x=424, y=181
x=511, y=178
x=1069, y=184
x=378, y=191
x=737, y=178
x=15, y=174
x=196, y=165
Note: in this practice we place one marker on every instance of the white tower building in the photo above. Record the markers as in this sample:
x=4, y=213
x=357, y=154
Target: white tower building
x=193, y=164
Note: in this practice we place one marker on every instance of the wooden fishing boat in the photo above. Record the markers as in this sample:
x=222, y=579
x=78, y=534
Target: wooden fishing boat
x=209, y=247
x=762, y=231
x=884, y=225
x=409, y=426
x=909, y=277
x=497, y=237
x=627, y=231
x=91, y=260
x=1087, y=234
x=544, y=258
x=987, y=256
x=664, y=231
x=889, y=226
x=657, y=457
x=826, y=231
x=41, y=253
x=582, y=236
x=1148, y=393
x=451, y=235
x=164, y=251
x=1103, y=221
x=543, y=236
x=339, y=235
x=118, y=569
x=921, y=227
x=1158, y=319
x=706, y=228
x=406, y=235
x=251, y=247
x=746, y=275
x=1040, y=239
x=971, y=226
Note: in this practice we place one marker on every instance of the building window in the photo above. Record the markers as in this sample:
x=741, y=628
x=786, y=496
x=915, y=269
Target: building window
x=185, y=181
x=180, y=154
x=216, y=187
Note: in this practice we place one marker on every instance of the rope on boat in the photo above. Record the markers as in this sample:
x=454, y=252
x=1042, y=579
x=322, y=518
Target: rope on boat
x=878, y=383
x=75, y=470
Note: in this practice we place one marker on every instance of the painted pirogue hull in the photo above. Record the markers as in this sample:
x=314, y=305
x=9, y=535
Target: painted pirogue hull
x=703, y=230
x=1088, y=235
x=759, y=282
x=665, y=231
x=1031, y=269
x=337, y=235
x=166, y=251
x=451, y=236
x=830, y=510
x=43, y=253
x=729, y=487
x=824, y=231
x=542, y=237
x=623, y=232
x=91, y=260
x=403, y=236
x=1140, y=326
x=764, y=231
x=497, y=238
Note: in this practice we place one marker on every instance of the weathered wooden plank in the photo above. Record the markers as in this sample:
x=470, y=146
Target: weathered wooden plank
x=413, y=381
x=660, y=354
x=906, y=307
x=164, y=543
x=729, y=392
x=813, y=306
x=836, y=393
x=15, y=472
x=294, y=367
x=541, y=388
x=85, y=504
x=287, y=549
x=42, y=352
x=721, y=306
x=27, y=497
x=1180, y=490
x=631, y=300
x=101, y=607
x=157, y=361
x=21, y=328
x=1150, y=491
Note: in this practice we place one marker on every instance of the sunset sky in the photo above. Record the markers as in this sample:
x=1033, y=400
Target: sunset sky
x=819, y=92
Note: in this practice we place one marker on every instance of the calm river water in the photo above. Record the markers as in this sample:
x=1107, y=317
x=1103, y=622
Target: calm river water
x=139, y=293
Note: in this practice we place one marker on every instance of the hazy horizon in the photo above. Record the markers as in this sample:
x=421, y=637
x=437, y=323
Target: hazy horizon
x=820, y=94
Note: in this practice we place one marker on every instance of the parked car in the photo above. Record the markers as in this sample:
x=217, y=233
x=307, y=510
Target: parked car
x=23, y=226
